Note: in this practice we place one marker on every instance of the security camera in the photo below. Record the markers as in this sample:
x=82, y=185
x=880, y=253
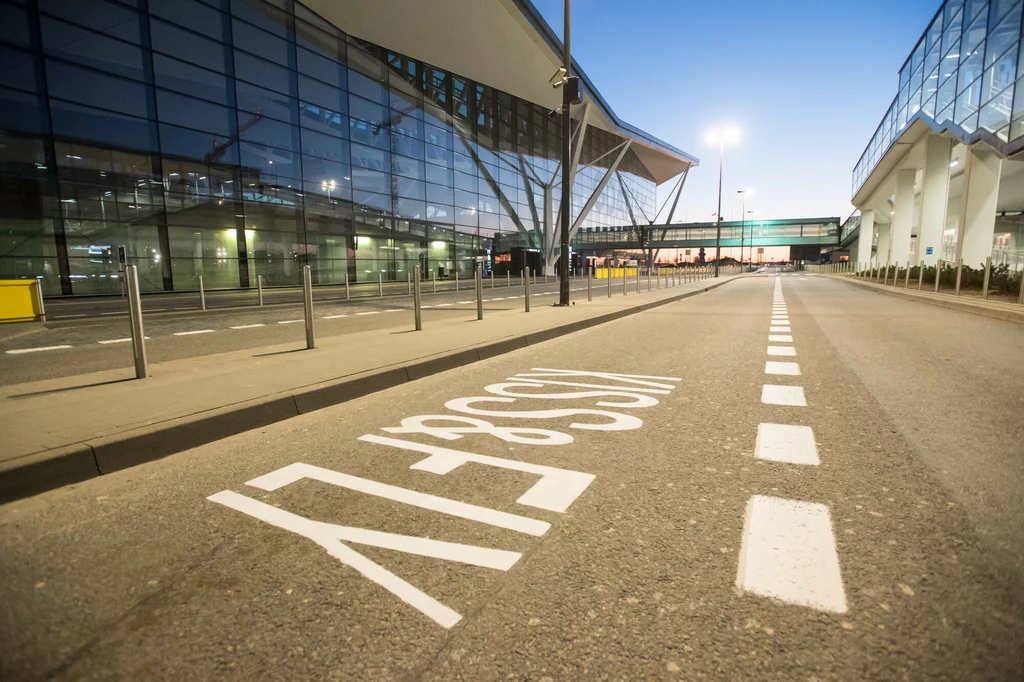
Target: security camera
x=558, y=79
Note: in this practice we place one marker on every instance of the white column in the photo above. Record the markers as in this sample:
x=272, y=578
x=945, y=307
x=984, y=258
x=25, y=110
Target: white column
x=978, y=220
x=866, y=237
x=903, y=216
x=934, y=198
x=882, y=250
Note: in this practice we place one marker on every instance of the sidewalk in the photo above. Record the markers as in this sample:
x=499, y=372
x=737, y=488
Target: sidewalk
x=1001, y=310
x=61, y=431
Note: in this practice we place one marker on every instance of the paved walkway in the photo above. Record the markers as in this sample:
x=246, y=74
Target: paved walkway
x=73, y=428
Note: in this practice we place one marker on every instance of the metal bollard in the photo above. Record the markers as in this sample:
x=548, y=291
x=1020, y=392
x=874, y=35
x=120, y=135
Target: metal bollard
x=885, y=279
x=1020, y=299
x=307, y=300
x=624, y=281
x=346, y=287
x=417, y=299
x=608, y=276
x=135, y=313
x=526, y=287
x=39, y=299
x=988, y=272
x=408, y=283
x=959, y=273
x=938, y=274
x=433, y=283
x=920, y=275
x=648, y=279
x=456, y=279
x=492, y=279
x=259, y=288
x=906, y=280
x=638, y=279
x=508, y=280
x=479, y=283
x=380, y=285
x=590, y=287
x=202, y=294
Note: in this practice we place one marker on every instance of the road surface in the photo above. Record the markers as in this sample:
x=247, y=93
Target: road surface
x=788, y=478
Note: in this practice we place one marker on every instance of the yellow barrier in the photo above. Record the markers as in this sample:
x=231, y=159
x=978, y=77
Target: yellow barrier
x=602, y=273
x=19, y=301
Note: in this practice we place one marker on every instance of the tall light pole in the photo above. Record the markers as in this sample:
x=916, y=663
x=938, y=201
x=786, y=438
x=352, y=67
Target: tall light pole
x=567, y=96
x=743, y=218
x=751, y=237
x=327, y=186
x=729, y=135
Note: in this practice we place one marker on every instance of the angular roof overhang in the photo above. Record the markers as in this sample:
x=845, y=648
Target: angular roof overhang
x=505, y=44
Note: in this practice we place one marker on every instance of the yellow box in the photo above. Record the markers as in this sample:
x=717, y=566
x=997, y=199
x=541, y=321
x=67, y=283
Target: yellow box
x=18, y=301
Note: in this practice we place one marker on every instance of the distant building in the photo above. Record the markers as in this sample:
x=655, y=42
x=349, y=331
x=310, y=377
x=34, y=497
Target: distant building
x=943, y=175
x=236, y=138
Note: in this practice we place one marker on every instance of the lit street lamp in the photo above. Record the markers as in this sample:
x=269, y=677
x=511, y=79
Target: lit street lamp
x=721, y=137
x=327, y=186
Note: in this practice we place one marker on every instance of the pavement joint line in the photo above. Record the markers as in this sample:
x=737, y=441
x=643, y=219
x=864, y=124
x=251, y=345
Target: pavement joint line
x=792, y=396
x=134, y=446
x=197, y=331
x=21, y=351
x=248, y=326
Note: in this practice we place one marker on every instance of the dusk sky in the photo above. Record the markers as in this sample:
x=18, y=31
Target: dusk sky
x=806, y=82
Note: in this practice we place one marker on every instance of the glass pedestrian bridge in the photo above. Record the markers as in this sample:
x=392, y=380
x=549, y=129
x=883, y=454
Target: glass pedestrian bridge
x=794, y=232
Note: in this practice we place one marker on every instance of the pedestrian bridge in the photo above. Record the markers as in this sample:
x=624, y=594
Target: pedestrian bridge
x=809, y=232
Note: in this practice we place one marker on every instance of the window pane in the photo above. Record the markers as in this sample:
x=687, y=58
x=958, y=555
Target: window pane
x=318, y=41
x=21, y=111
x=17, y=68
x=269, y=164
x=187, y=46
x=318, y=171
x=182, y=77
x=324, y=146
x=373, y=134
x=256, y=100
x=263, y=15
x=194, y=113
x=407, y=146
x=175, y=141
x=365, y=110
x=190, y=14
x=96, y=89
x=91, y=49
x=320, y=93
x=102, y=126
x=321, y=68
x=99, y=15
x=15, y=28
x=266, y=45
x=265, y=73
x=323, y=120
x=269, y=132
x=369, y=157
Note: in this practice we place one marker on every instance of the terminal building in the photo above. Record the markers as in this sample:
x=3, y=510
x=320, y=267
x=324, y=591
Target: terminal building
x=942, y=178
x=231, y=139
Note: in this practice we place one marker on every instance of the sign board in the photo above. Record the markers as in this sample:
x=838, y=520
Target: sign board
x=929, y=250
x=760, y=250
x=122, y=258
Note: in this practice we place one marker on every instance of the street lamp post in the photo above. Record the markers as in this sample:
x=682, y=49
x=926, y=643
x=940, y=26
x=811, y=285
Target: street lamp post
x=563, y=275
x=327, y=186
x=721, y=137
x=743, y=219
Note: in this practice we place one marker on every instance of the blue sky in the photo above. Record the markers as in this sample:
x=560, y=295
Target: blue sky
x=806, y=81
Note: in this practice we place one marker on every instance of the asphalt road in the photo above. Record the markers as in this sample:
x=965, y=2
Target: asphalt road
x=676, y=526
x=99, y=339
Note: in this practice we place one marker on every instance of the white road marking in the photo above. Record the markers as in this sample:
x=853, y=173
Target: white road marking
x=119, y=312
x=500, y=298
x=333, y=317
x=781, y=330
x=369, y=312
x=555, y=491
x=198, y=331
x=787, y=368
x=290, y=321
x=787, y=351
x=297, y=471
x=248, y=326
x=443, y=305
x=61, y=317
x=780, y=338
x=786, y=443
x=124, y=340
x=393, y=310
x=35, y=350
x=789, y=553
x=772, y=394
x=463, y=303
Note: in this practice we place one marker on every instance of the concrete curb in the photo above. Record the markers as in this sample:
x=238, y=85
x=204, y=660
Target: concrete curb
x=42, y=471
x=952, y=304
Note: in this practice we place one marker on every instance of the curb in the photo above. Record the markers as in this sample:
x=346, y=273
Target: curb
x=50, y=469
x=952, y=304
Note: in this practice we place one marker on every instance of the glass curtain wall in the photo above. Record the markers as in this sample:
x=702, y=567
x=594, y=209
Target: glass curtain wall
x=967, y=69
x=234, y=138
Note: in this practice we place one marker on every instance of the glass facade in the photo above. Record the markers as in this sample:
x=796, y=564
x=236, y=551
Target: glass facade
x=967, y=69
x=234, y=138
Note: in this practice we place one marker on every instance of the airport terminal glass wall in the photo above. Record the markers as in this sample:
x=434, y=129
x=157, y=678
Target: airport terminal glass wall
x=234, y=138
x=967, y=69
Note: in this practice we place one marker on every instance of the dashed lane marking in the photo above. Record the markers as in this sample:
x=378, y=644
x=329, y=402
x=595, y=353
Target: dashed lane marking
x=786, y=443
x=62, y=317
x=772, y=394
x=332, y=317
x=119, y=312
x=781, y=330
x=784, y=351
x=789, y=553
x=248, y=326
x=443, y=305
x=290, y=321
x=369, y=312
x=20, y=351
x=780, y=338
x=197, y=331
x=785, y=368
x=124, y=340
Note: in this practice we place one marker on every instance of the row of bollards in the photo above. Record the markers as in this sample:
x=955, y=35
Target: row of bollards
x=880, y=275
